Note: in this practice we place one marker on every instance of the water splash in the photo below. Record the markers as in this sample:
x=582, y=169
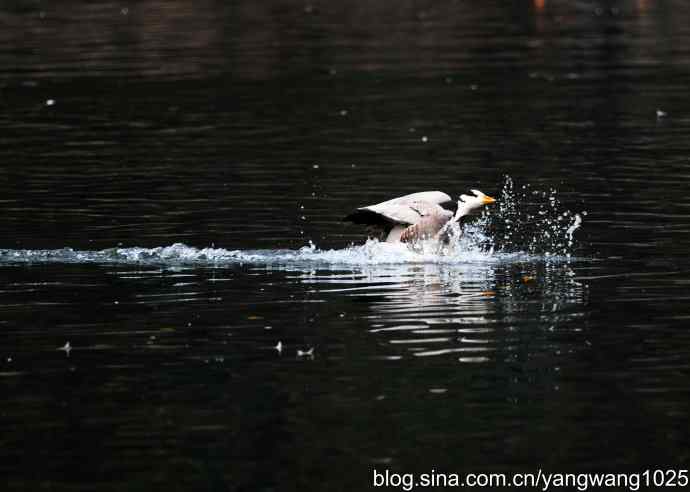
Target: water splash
x=370, y=253
x=531, y=220
x=576, y=225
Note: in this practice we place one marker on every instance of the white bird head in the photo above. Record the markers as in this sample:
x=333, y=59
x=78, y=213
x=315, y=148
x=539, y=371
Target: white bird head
x=471, y=204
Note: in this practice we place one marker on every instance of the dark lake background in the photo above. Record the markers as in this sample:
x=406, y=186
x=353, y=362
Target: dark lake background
x=255, y=125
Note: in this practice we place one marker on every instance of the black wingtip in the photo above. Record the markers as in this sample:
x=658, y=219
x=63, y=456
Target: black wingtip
x=349, y=218
x=360, y=217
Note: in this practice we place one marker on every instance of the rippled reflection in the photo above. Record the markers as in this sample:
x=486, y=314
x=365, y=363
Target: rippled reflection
x=476, y=312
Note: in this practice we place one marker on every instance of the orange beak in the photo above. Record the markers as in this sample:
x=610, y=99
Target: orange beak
x=487, y=200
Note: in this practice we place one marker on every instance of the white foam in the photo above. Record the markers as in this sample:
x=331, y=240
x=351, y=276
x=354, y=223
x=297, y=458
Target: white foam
x=370, y=253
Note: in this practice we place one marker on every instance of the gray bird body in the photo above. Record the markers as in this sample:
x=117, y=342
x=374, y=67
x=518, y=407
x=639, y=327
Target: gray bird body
x=407, y=218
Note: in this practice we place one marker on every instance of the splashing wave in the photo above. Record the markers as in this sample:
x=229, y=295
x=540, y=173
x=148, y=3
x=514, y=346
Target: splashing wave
x=370, y=253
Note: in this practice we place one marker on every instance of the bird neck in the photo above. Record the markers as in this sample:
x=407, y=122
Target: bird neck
x=463, y=210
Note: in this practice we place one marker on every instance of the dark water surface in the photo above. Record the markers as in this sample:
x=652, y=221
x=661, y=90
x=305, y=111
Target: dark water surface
x=252, y=128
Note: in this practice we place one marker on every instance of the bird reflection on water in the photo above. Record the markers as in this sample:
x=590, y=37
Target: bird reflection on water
x=476, y=311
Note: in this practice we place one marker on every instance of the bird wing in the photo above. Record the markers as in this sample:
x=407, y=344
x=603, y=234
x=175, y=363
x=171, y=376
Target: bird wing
x=436, y=197
x=427, y=208
x=405, y=210
x=397, y=213
x=406, y=213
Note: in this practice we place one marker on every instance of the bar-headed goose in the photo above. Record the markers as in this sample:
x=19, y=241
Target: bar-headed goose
x=423, y=215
